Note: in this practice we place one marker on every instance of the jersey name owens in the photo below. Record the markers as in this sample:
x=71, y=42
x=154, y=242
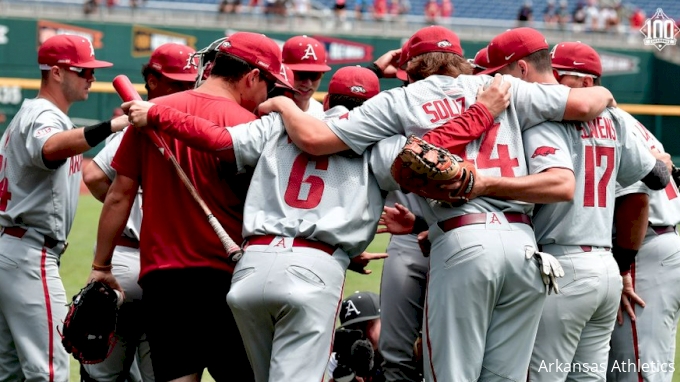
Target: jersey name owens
x=600, y=127
x=444, y=109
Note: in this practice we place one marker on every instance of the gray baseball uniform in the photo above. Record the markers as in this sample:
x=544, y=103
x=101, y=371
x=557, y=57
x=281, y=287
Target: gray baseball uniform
x=487, y=331
x=37, y=207
x=645, y=349
x=402, y=291
x=304, y=218
x=316, y=109
x=130, y=334
x=573, y=335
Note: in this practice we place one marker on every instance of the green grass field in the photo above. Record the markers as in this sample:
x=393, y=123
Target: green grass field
x=75, y=265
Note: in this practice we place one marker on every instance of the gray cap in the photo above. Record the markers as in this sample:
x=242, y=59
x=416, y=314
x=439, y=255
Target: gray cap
x=359, y=307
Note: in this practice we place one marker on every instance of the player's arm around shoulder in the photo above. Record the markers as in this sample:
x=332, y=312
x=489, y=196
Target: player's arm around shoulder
x=65, y=144
x=251, y=139
x=198, y=133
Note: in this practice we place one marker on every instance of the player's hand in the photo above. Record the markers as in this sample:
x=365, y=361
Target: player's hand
x=137, y=112
x=107, y=278
x=397, y=220
x=119, y=123
x=496, y=97
x=358, y=263
x=424, y=243
x=628, y=299
x=276, y=105
x=665, y=158
x=388, y=63
x=478, y=187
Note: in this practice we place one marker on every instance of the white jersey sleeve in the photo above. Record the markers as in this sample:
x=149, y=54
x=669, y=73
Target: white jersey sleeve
x=47, y=124
x=536, y=103
x=249, y=139
x=547, y=145
x=381, y=158
x=636, y=161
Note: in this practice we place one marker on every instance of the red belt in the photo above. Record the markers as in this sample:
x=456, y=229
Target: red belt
x=297, y=242
x=588, y=248
x=125, y=241
x=662, y=229
x=469, y=219
x=19, y=232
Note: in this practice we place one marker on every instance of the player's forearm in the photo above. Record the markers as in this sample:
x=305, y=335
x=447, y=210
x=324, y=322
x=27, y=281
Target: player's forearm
x=96, y=181
x=309, y=134
x=66, y=144
x=584, y=104
x=198, y=133
x=455, y=134
x=113, y=217
x=550, y=186
x=631, y=219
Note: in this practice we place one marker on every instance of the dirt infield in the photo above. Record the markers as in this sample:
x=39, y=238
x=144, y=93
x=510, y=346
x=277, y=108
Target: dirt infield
x=83, y=187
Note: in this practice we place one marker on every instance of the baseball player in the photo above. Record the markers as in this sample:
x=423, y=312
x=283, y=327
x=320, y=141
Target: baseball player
x=402, y=287
x=40, y=173
x=482, y=246
x=166, y=72
x=306, y=57
x=185, y=273
x=360, y=311
x=605, y=151
x=648, y=339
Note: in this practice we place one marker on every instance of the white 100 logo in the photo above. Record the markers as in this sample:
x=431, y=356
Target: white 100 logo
x=660, y=29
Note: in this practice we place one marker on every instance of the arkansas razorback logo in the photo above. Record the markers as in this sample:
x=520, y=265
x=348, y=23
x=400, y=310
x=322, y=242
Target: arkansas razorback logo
x=544, y=151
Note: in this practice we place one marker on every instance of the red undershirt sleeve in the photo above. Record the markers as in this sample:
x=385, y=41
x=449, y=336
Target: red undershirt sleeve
x=455, y=134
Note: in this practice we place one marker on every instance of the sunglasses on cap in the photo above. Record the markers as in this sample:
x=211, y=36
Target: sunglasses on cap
x=559, y=74
x=475, y=66
x=81, y=72
x=312, y=76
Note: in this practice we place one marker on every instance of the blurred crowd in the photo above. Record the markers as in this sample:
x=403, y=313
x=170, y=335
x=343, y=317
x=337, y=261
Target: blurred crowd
x=603, y=16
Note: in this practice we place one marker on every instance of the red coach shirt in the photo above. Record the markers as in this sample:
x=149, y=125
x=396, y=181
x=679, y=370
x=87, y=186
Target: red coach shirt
x=175, y=232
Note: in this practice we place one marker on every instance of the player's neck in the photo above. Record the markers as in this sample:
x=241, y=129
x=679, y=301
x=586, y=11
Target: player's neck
x=545, y=78
x=217, y=87
x=302, y=104
x=55, y=96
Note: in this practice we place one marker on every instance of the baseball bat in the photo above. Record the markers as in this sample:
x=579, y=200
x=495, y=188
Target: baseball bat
x=127, y=93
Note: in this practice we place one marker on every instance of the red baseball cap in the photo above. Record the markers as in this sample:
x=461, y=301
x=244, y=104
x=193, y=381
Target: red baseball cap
x=432, y=39
x=287, y=73
x=174, y=61
x=354, y=81
x=576, y=56
x=257, y=50
x=513, y=45
x=481, y=60
x=70, y=50
x=305, y=54
x=401, y=73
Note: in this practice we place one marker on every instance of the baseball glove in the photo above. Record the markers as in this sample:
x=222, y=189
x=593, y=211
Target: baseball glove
x=422, y=168
x=88, y=330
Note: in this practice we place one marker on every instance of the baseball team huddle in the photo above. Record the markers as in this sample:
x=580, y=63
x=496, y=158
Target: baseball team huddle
x=559, y=264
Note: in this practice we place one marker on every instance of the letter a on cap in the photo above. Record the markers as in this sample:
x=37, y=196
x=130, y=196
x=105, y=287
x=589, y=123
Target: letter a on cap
x=351, y=308
x=309, y=52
